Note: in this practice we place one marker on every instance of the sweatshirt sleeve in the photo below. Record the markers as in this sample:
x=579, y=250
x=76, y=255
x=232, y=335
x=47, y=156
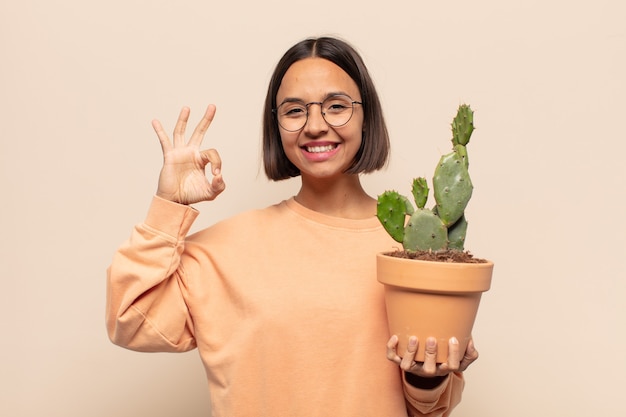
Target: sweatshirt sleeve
x=145, y=308
x=437, y=402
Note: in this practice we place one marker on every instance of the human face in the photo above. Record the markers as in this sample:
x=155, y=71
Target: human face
x=318, y=149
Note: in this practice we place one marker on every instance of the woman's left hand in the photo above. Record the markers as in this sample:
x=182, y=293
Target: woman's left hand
x=457, y=361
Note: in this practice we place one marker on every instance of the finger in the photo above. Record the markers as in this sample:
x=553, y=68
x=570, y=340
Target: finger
x=471, y=354
x=181, y=125
x=454, y=355
x=430, y=357
x=217, y=185
x=210, y=156
x=163, y=139
x=392, y=354
x=408, y=360
x=203, y=126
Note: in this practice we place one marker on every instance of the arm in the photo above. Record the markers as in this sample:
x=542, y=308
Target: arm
x=435, y=402
x=146, y=309
x=432, y=389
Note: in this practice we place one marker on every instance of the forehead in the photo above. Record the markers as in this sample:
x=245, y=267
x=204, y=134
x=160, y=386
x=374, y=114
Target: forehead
x=312, y=79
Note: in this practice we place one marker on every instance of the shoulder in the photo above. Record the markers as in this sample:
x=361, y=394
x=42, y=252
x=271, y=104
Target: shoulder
x=245, y=223
x=270, y=213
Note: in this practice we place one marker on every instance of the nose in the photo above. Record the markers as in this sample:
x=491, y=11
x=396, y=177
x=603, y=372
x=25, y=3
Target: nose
x=315, y=123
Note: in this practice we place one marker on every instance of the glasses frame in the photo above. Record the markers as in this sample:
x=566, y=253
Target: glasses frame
x=320, y=103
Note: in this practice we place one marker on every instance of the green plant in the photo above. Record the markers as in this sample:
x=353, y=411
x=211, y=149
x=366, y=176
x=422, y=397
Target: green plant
x=444, y=226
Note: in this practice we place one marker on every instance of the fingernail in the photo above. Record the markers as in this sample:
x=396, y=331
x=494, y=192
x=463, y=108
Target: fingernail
x=454, y=341
x=412, y=341
x=431, y=342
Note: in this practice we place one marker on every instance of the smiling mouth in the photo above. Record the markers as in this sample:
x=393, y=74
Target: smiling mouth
x=320, y=149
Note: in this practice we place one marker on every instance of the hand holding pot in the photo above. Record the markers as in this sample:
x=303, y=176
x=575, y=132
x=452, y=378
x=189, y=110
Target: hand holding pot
x=457, y=361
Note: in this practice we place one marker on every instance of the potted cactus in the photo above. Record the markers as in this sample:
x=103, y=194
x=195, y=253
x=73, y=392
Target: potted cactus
x=433, y=286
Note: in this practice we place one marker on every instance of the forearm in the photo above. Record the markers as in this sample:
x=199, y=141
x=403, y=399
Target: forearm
x=145, y=307
x=438, y=401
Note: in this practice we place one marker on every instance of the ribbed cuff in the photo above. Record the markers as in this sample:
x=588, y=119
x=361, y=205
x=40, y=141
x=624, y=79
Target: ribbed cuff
x=170, y=218
x=425, y=395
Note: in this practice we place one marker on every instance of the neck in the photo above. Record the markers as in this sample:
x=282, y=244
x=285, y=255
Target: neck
x=338, y=197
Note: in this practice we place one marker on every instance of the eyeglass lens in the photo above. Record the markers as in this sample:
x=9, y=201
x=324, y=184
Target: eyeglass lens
x=336, y=111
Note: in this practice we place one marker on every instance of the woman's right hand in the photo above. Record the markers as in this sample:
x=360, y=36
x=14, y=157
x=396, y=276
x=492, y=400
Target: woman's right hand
x=183, y=179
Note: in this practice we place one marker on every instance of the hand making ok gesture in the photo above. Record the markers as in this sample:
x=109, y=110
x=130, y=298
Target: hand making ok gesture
x=183, y=179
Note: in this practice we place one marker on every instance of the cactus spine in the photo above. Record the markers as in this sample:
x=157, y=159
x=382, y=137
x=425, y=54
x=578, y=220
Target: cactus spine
x=444, y=226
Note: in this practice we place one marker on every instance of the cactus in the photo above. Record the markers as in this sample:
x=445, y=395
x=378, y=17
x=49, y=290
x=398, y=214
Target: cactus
x=444, y=226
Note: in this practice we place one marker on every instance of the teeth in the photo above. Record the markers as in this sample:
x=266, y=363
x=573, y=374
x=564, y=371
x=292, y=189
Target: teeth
x=315, y=149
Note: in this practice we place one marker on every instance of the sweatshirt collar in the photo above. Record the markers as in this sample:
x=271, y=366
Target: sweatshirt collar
x=337, y=222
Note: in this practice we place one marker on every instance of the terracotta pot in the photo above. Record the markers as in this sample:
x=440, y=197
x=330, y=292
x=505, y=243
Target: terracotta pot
x=437, y=299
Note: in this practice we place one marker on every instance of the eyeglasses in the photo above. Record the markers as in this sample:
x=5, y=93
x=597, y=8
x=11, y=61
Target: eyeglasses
x=336, y=110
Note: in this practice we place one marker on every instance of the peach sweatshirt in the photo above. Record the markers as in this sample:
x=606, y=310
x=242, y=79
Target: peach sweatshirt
x=282, y=304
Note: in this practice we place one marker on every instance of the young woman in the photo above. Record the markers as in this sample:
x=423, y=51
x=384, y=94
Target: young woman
x=282, y=302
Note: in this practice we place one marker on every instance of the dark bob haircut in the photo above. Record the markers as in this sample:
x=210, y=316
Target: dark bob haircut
x=374, y=151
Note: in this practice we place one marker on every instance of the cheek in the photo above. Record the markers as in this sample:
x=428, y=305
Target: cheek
x=356, y=133
x=286, y=139
x=289, y=140
x=360, y=125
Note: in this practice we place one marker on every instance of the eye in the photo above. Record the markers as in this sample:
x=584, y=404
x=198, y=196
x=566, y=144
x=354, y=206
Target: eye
x=292, y=110
x=337, y=105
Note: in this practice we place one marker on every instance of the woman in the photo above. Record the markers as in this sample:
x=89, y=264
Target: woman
x=282, y=303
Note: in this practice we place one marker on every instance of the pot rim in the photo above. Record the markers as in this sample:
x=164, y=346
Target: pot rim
x=432, y=276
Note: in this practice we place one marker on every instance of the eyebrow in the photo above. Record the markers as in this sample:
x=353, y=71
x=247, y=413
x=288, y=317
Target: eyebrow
x=328, y=95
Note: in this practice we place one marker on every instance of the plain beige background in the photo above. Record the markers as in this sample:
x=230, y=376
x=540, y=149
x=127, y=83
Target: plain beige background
x=80, y=82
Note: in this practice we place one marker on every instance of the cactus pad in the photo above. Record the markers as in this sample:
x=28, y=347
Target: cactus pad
x=420, y=192
x=452, y=188
x=425, y=231
x=456, y=234
x=462, y=125
x=391, y=210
